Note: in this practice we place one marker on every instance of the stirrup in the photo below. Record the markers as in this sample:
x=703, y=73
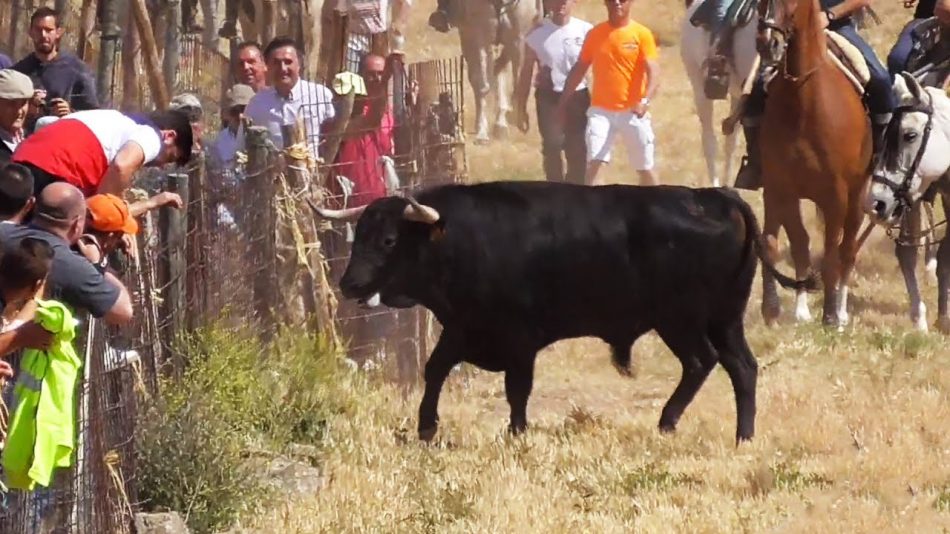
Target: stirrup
x=716, y=84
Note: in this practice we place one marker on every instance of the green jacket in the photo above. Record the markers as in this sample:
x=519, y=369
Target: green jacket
x=42, y=431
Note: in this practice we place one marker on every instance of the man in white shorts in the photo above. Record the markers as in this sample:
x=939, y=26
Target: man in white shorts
x=555, y=45
x=626, y=76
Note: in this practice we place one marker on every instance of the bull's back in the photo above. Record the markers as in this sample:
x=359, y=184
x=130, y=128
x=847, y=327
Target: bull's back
x=578, y=257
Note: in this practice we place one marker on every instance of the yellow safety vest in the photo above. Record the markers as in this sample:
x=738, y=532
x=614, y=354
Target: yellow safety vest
x=42, y=431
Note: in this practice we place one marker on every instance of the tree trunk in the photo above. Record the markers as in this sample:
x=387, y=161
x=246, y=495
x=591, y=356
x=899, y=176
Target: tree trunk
x=131, y=47
x=150, y=54
x=87, y=21
x=172, y=58
x=268, y=20
x=108, y=49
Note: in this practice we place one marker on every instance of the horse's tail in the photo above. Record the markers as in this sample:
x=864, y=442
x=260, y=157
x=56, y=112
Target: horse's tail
x=755, y=241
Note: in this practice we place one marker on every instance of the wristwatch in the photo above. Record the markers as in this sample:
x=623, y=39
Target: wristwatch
x=645, y=101
x=830, y=14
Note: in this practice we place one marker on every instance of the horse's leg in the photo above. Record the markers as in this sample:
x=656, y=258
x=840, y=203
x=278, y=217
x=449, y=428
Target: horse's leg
x=771, y=307
x=704, y=110
x=831, y=266
x=930, y=250
x=907, y=259
x=799, y=243
x=849, y=252
x=504, y=84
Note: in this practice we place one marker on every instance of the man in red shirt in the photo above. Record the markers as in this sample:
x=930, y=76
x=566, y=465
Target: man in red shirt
x=99, y=150
x=368, y=136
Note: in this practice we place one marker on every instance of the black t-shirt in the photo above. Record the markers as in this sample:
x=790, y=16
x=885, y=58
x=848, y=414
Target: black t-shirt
x=72, y=279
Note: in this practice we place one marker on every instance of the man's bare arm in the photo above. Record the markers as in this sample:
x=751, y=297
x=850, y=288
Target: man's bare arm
x=118, y=177
x=121, y=312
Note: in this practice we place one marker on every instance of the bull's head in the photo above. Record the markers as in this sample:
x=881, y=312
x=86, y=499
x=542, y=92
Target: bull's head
x=916, y=153
x=388, y=234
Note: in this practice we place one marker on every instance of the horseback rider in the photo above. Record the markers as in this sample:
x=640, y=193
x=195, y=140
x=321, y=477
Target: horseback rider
x=837, y=16
x=928, y=55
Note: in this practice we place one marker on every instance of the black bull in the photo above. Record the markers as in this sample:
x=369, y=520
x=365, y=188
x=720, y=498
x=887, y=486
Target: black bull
x=511, y=267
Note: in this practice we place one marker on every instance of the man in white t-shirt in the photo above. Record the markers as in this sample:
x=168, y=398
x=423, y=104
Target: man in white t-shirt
x=278, y=107
x=555, y=44
x=99, y=150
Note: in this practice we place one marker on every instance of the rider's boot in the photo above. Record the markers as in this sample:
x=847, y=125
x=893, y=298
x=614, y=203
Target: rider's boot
x=750, y=173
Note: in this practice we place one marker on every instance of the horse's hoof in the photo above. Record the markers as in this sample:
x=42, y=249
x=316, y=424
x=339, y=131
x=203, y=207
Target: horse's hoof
x=500, y=131
x=482, y=140
x=943, y=324
x=771, y=313
x=427, y=434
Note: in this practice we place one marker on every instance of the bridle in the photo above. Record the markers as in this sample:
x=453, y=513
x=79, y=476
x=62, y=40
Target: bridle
x=901, y=189
x=775, y=51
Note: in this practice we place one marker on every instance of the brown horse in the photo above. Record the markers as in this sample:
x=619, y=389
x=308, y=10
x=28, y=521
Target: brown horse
x=815, y=144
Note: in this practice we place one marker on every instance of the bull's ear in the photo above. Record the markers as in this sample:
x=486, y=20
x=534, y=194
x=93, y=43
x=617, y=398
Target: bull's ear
x=419, y=212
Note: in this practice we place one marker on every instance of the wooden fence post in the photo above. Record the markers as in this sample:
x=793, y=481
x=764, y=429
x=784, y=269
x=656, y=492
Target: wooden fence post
x=18, y=15
x=260, y=222
x=172, y=228
x=196, y=251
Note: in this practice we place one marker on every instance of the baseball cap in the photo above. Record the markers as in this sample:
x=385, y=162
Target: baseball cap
x=109, y=213
x=15, y=85
x=188, y=103
x=238, y=95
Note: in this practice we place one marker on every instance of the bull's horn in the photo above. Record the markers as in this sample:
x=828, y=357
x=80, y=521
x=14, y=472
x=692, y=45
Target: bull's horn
x=348, y=214
x=420, y=213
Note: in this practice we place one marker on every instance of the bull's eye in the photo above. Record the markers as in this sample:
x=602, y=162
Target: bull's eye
x=909, y=137
x=389, y=241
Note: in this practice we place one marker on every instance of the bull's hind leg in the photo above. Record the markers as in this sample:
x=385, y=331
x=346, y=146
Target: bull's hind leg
x=698, y=357
x=907, y=259
x=739, y=362
x=447, y=353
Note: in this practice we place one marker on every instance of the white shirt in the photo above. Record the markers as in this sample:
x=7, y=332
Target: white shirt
x=311, y=101
x=559, y=47
x=114, y=129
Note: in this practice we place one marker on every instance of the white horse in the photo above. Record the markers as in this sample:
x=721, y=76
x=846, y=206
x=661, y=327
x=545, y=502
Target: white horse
x=694, y=50
x=917, y=156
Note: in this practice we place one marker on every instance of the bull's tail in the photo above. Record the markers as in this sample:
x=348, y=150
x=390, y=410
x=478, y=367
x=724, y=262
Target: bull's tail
x=755, y=239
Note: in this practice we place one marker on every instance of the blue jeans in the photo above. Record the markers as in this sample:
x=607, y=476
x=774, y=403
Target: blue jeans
x=898, y=56
x=719, y=10
x=880, y=96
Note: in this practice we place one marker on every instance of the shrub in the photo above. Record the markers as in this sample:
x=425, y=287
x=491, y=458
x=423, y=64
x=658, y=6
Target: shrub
x=235, y=395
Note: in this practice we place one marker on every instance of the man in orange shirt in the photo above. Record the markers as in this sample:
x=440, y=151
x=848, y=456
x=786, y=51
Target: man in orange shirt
x=626, y=76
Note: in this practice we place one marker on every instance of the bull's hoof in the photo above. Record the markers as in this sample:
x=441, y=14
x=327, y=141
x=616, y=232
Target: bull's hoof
x=517, y=429
x=667, y=427
x=740, y=439
x=626, y=371
x=943, y=324
x=427, y=434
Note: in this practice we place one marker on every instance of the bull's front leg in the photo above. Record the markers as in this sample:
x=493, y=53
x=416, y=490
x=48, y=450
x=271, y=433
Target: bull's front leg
x=519, y=379
x=447, y=353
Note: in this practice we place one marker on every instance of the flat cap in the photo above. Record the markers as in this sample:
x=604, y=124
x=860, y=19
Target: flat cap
x=238, y=95
x=15, y=85
x=189, y=103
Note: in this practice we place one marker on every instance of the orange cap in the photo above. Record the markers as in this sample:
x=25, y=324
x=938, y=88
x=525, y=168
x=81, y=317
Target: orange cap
x=109, y=213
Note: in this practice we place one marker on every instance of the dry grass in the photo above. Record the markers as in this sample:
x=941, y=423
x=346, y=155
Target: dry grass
x=852, y=428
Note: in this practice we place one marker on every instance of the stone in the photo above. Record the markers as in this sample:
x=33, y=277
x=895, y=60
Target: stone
x=163, y=523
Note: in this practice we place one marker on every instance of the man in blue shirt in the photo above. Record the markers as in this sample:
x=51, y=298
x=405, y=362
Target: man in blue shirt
x=63, y=82
x=881, y=101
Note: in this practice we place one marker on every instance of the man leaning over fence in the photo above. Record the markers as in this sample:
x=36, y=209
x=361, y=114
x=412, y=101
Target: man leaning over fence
x=63, y=82
x=290, y=98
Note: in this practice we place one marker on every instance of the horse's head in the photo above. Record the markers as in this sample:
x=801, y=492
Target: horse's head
x=774, y=29
x=915, y=153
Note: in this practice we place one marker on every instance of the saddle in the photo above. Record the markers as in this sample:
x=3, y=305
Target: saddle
x=845, y=56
